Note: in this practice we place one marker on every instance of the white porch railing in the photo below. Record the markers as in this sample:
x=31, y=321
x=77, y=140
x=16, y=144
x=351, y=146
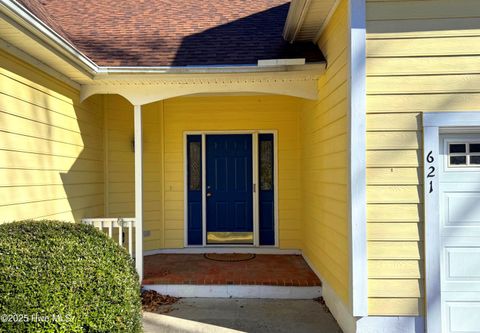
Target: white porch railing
x=119, y=229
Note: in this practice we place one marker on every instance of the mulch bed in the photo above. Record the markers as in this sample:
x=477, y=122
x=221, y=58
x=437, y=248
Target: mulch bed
x=157, y=303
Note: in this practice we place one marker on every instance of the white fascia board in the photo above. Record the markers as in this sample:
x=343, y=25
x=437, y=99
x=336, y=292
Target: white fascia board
x=26, y=19
x=9, y=48
x=282, y=65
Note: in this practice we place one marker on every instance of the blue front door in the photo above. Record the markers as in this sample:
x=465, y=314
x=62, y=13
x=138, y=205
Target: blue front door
x=229, y=188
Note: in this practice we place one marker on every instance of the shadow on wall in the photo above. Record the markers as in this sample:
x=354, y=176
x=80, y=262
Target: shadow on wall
x=84, y=181
x=51, y=154
x=226, y=44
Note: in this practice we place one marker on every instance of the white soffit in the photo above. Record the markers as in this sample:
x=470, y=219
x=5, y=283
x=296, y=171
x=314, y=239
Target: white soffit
x=306, y=25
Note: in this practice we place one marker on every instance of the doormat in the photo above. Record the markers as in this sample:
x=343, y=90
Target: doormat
x=230, y=257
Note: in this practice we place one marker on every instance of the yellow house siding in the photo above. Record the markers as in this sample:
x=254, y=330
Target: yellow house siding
x=324, y=162
x=51, y=153
x=422, y=56
x=227, y=114
x=121, y=166
x=164, y=126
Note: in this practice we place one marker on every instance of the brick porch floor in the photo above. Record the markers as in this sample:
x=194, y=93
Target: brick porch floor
x=273, y=270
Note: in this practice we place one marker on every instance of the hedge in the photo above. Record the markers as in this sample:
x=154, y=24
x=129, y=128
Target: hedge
x=65, y=277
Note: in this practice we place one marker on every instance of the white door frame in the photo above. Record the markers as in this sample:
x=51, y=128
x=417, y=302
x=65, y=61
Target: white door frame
x=256, y=217
x=435, y=123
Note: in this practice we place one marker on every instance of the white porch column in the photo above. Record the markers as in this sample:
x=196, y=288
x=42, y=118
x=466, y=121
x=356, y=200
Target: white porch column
x=138, y=190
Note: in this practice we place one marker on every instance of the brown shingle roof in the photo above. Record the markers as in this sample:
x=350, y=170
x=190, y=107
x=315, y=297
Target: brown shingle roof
x=173, y=32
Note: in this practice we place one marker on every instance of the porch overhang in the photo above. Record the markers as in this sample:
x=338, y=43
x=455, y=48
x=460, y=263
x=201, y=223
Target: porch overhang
x=30, y=39
x=142, y=89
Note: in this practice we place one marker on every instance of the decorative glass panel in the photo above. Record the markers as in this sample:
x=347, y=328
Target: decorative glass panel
x=475, y=147
x=458, y=160
x=457, y=148
x=194, y=166
x=266, y=165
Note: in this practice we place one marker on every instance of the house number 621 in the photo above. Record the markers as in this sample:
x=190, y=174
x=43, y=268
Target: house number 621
x=431, y=170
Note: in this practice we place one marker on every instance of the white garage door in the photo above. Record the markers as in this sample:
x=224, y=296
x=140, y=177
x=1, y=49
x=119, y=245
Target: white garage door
x=460, y=232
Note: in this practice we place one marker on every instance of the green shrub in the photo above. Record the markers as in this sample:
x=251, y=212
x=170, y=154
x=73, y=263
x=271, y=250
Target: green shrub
x=65, y=277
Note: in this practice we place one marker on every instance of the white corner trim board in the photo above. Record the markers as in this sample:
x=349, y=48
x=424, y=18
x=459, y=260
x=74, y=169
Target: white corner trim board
x=357, y=155
x=432, y=234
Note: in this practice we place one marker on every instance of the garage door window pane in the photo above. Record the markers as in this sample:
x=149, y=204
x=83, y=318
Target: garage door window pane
x=475, y=160
x=457, y=148
x=475, y=147
x=458, y=160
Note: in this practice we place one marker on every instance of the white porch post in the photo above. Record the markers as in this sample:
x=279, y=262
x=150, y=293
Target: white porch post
x=138, y=190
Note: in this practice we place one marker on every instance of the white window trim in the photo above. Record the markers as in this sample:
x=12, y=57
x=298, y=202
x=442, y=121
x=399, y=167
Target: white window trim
x=463, y=167
x=433, y=124
x=256, y=218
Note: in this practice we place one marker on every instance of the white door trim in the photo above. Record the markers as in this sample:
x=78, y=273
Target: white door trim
x=256, y=218
x=256, y=197
x=433, y=124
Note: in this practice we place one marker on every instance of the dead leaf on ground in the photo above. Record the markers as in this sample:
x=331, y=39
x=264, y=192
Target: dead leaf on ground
x=322, y=303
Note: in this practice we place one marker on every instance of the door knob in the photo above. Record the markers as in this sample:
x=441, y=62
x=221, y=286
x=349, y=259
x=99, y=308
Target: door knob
x=209, y=194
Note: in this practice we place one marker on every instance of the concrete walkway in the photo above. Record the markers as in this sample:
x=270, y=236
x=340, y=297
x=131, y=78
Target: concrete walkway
x=220, y=315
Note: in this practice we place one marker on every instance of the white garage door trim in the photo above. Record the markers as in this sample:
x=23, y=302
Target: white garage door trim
x=433, y=123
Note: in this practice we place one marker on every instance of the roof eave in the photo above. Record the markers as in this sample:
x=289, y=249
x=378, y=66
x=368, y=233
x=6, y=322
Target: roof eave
x=36, y=29
x=31, y=24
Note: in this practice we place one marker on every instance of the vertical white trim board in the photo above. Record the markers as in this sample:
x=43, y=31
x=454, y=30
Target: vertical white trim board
x=204, y=191
x=433, y=124
x=256, y=188
x=357, y=154
x=138, y=190
x=432, y=234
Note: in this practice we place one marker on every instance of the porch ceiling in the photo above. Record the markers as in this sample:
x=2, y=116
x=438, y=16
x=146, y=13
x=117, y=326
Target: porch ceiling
x=144, y=89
